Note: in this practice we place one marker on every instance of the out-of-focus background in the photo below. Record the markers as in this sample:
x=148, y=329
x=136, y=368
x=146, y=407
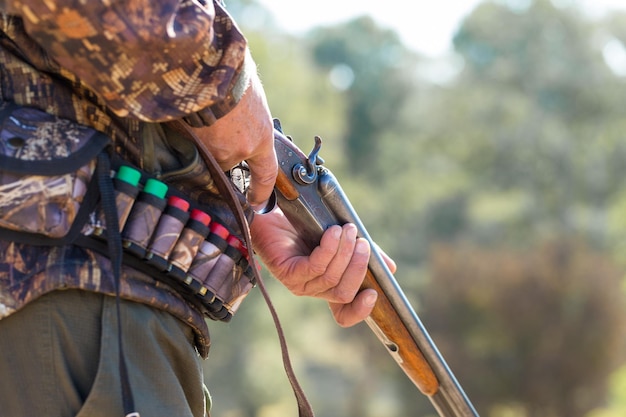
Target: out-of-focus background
x=486, y=155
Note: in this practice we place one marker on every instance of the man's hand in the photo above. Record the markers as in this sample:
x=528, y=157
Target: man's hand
x=246, y=133
x=333, y=271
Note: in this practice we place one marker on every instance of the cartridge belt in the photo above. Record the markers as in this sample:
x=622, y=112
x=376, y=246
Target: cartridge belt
x=174, y=240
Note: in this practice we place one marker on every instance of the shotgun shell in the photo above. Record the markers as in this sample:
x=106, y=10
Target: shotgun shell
x=192, y=236
x=167, y=232
x=144, y=217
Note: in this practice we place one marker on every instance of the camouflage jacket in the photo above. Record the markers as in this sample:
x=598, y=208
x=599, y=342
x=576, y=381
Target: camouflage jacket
x=121, y=68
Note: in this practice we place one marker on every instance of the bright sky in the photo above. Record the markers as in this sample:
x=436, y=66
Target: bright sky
x=424, y=26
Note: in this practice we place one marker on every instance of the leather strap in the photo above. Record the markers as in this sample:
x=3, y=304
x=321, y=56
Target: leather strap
x=226, y=189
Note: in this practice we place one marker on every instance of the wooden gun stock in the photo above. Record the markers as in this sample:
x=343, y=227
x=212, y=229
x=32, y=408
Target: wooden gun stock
x=312, y=200
x=389, y=328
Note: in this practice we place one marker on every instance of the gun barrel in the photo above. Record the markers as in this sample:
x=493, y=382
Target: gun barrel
x=446, y=393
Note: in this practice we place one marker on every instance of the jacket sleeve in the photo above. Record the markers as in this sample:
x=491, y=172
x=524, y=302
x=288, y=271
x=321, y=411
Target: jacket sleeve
x=155, y=60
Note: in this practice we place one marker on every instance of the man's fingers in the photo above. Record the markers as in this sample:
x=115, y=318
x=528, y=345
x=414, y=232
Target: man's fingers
x=347, y=315
x=263, y=173
x=352, y=278
x=338, y=265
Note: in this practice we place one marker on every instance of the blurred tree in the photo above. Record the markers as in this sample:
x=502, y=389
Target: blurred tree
x=538, y=330
x=375, y=70
x=527, y=143
x=536, y=110
x=615, y=25
x=545, y=52
x=616, y=406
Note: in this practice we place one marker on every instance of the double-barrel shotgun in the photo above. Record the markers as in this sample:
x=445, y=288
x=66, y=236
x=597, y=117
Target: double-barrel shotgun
x=312, y=200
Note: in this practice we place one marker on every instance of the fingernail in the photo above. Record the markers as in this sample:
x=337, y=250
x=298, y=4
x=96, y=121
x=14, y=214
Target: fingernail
x=362, y=246
x=370, y=299
x=351, y=233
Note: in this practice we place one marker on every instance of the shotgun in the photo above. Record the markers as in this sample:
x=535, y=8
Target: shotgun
x=312, y=200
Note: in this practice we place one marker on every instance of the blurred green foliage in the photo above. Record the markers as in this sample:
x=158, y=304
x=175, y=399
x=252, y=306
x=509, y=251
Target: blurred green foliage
x=497, y=191
x=541, y=328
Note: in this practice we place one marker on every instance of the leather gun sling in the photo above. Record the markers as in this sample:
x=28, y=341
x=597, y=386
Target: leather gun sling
x=225, y=187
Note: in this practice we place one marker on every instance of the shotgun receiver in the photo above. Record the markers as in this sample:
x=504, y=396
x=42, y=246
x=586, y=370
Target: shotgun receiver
x=312, y=200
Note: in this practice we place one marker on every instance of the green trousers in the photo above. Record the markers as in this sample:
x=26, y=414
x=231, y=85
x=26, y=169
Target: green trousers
x=60, y=359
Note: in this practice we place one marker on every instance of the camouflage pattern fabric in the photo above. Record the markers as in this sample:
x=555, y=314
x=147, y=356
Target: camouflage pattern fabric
x=116, y=66
x=25, y=274
x=154, y=60
x=42, y=204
